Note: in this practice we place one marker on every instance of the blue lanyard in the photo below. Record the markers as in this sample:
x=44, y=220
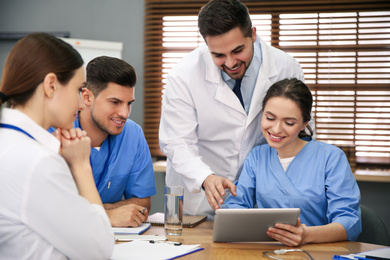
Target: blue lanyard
x=16, y=128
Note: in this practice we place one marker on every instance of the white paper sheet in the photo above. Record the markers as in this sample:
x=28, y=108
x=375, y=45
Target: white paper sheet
x=139, y=249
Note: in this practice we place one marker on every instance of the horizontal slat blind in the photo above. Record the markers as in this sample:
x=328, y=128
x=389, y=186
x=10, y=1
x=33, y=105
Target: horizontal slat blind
x=346, y=60
x=343, y=47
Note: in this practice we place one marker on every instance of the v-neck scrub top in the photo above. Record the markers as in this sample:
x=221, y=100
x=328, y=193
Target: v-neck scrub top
x=319, y=181
x=122, y=166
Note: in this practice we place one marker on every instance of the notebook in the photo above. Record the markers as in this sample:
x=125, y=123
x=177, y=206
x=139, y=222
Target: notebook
x=250, y=225
x=132, y=230
x=157, y=219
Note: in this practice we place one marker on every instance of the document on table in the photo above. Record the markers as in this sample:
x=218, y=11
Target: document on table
x=130, y=230
x=383, y=253
x=139, y=249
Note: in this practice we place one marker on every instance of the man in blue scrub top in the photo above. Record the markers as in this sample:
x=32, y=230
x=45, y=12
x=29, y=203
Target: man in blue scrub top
x=120, y=157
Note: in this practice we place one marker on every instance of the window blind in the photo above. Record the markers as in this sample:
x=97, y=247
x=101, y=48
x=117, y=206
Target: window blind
x=343, y=48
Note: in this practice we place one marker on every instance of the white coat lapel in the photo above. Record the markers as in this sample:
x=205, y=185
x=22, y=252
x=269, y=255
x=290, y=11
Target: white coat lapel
x=267, y=71
x=223, y=93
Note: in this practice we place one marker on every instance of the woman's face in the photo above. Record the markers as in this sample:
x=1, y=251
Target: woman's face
x=68, y=101
x=281, y=123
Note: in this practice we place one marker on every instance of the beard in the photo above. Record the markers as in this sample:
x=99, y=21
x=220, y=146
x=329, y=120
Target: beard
x=240, y=74
x=105, y=127
x=235, y=75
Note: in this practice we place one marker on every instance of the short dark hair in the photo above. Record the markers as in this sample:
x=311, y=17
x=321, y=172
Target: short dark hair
x=220, y=16
x=294, y=90
x=31, y=59
x=103, y=70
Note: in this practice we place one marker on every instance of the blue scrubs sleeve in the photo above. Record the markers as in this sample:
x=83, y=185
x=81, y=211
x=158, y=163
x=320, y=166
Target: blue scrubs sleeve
x=246, y=185
x=343, y=194
x=141, y=182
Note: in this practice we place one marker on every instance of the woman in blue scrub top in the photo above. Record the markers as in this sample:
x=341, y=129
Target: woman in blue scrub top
x=292, y=171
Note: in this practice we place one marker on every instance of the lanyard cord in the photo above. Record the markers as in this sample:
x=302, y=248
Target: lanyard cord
x=16, y=129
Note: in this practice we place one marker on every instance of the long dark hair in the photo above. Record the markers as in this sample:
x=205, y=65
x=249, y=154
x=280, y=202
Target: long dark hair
x=31, y=59
x=297, y=91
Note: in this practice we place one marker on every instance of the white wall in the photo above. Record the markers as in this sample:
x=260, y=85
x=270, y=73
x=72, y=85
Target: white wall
x=104, y=20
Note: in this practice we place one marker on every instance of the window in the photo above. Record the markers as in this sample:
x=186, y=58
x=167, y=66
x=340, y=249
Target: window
x=342, y=47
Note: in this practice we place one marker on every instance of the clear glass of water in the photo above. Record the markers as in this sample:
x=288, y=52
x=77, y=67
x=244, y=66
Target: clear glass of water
x=173, y=210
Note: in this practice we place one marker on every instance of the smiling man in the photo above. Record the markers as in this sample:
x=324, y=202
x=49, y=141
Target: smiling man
x=120, y=158
x=211, y=109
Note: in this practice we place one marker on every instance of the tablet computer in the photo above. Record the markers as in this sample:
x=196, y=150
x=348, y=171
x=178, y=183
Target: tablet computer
x=250, y=225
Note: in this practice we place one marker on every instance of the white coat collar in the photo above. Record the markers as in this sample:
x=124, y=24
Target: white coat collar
x=224, y=93
x=21, y=120
x=267, y=70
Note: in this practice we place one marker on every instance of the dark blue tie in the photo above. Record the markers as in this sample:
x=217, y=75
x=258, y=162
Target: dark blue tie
x=237, y=91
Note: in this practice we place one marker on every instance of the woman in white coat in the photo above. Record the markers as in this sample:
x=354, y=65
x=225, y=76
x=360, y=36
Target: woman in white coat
x=49, y=204
x=205, y=132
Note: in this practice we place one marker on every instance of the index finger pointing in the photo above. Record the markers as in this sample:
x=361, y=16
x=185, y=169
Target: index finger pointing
x=230, y=185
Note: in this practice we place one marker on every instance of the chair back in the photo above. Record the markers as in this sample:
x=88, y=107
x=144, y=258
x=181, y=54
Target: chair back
x=374, y=231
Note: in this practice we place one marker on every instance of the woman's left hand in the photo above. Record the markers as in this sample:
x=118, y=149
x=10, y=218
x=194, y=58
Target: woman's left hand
x=288, y=234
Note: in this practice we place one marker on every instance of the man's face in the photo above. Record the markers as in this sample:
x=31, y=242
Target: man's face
x=232, y=52
x=111, y=108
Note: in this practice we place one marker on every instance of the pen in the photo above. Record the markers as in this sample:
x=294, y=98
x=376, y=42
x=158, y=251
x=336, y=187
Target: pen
x=352, y=256
x=363, y=258
x=167, y=242
x=143, y=210
x=342, y=257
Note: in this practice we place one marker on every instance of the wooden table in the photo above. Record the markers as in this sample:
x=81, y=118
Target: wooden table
x=203, y=234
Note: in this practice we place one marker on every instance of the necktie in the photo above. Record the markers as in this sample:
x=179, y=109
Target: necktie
x=237, y=91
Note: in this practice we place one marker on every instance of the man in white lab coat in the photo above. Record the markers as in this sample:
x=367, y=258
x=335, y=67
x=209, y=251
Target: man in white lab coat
x=206, y=129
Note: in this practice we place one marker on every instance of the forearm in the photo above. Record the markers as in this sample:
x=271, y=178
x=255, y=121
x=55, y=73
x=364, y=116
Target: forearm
x=145, y=202
x=85, y=183
x=75, y=149
x=327, y=233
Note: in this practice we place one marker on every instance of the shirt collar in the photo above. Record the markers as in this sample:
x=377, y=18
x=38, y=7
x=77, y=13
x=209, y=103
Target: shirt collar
x=16, y=118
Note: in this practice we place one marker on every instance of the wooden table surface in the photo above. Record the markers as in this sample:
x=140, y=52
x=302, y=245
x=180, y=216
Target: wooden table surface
x=203, y=234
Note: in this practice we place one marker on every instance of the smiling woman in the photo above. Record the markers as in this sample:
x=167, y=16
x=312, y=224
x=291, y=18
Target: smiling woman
x=286, y=113
x=281, y=123
x=290, y=172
